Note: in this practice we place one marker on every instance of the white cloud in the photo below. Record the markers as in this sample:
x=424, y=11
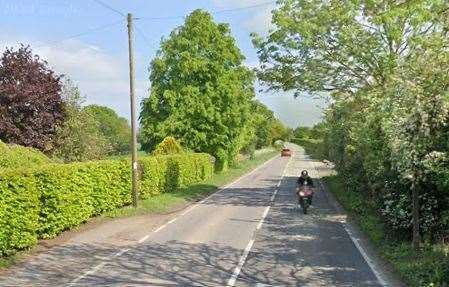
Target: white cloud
x=259, y=22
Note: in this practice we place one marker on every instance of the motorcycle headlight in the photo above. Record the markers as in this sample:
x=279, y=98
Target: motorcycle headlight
x=301, y=193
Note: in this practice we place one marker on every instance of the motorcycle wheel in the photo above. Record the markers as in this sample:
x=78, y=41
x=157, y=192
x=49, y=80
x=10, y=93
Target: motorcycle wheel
x=304, y=207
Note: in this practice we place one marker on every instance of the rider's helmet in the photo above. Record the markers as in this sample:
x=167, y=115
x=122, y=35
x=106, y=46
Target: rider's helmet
x=304, y=173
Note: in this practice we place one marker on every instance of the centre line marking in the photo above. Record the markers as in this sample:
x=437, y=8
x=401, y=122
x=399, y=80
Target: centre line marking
x=238, y=268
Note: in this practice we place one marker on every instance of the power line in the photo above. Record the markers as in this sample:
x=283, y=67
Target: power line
x=102, y=27
x=110, y=8
x=212, y=12
x=142, y=34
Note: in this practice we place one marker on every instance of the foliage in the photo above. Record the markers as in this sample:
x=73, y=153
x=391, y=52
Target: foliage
x=166, y=173
x=79, y=138
x=385, y=66
x=115, y=129
x=200, y=91
x=43, y=201
x=168, y=146
x=19, y=211
x=16, y=156
x=425, y=267
x=30, y=100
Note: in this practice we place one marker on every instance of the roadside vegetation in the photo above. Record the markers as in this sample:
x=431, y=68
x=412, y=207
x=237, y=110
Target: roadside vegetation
x=166, y=202
x=63, y=162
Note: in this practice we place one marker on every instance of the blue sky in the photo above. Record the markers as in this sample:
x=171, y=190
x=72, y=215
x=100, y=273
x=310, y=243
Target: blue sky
x=97, y=60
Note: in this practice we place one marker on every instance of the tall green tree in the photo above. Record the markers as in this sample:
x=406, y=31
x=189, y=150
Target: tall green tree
x=200, y=90
x=114, y=128
x=79, y=138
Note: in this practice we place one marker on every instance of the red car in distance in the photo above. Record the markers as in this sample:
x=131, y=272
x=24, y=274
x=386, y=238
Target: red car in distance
x=286, y=152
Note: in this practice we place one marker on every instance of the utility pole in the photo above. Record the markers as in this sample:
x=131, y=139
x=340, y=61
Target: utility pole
x=133, y=109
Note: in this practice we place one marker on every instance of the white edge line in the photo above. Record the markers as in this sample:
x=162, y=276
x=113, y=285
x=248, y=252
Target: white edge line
x=143, y=239
x=358, y=246
x=225, y=187
x=365, y=256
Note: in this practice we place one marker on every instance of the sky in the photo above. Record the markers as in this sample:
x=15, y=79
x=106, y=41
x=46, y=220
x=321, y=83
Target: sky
x=88, y=42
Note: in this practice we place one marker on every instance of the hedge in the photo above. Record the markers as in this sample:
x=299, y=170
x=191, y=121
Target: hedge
x=13, y=156
x=19, y=211
x=165, y=173
x=42, y=202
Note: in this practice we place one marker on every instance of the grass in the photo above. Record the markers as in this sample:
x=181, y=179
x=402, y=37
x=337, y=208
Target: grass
x=167, y=201
x=427, y=267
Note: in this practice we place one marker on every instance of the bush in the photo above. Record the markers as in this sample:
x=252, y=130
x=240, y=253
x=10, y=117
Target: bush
x=168, y=146
x=42, y=202
x=19, y=211
x=15, y=156
x=70, y=194
x=167, y=173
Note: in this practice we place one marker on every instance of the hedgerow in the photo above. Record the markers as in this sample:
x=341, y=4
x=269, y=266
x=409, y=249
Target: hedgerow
x=13, y=156
x=165, y=173
x=19, y=211
x=42, y=202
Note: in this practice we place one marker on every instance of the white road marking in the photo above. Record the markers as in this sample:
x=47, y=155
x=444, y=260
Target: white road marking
x=273, y=196
x=121, y=252
x=143, y=239
x=359, y=247
x=238, y=268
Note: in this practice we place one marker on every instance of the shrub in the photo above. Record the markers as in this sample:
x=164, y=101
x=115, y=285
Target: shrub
x=19, y=211
x=72, y=193
x=15, y=156
x=43, y=201
x=168, y=146
x=167, y=173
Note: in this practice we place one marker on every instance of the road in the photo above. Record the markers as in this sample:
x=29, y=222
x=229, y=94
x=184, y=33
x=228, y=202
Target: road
x=248, y=234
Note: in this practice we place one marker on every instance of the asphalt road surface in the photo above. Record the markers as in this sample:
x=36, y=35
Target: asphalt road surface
x=248, y=234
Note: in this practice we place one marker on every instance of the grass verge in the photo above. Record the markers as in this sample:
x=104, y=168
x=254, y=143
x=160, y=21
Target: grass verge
x=167, y=201
x=427, y=267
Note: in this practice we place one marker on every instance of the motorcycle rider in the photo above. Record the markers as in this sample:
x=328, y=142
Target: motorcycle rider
x=305, y=179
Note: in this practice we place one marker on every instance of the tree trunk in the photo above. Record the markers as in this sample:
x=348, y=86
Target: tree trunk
x=415, y=197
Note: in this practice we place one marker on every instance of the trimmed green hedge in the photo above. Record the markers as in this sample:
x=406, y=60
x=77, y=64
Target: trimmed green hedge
x=42, y=202
x=16, y=156
x=19, y=211
x=70, y=194
x=165, y=173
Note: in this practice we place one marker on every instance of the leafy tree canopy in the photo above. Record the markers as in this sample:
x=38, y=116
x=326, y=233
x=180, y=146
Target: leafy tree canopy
x=31, y=107
x=200, y=90
x=79, y=138
x=114, y=128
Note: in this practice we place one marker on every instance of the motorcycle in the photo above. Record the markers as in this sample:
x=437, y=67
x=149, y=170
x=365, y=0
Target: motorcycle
x=305, y=194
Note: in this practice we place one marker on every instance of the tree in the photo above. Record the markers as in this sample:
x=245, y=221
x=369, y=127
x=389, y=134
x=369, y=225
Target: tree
x=114, y=128
x=168, y=146
x=31, y=107
x=79, y=138
x=200, y=90
x=356, y=50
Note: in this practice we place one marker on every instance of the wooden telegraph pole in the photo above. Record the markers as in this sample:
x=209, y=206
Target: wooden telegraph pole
x=133, y=109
